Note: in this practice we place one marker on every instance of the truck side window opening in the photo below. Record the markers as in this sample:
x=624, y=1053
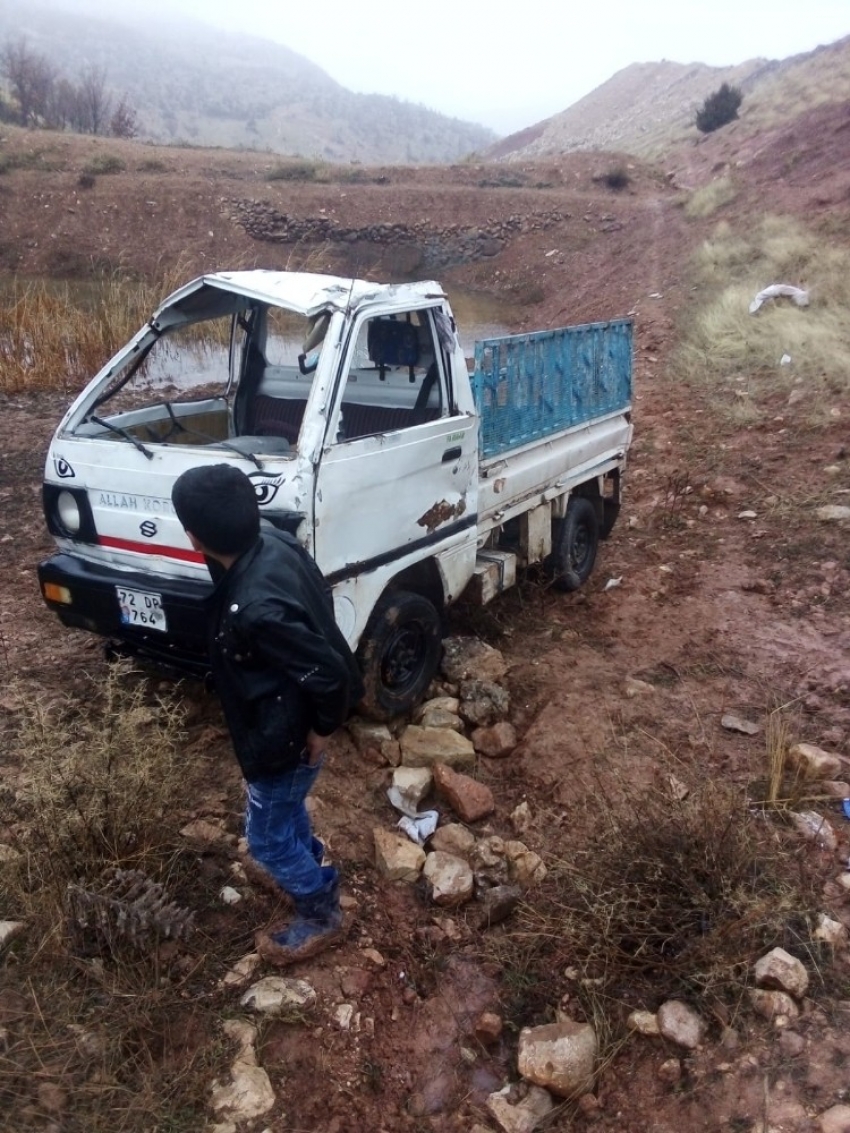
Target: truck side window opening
x=394, y=377
x=276, y=386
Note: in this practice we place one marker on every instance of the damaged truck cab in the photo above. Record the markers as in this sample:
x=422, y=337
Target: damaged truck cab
x=350, y=407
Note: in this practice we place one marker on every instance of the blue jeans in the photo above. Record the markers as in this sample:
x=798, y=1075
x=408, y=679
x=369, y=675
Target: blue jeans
x=278, y=829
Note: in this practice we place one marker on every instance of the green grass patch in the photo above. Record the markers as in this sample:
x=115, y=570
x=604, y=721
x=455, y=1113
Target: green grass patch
x=104, y=163
x=295, y=171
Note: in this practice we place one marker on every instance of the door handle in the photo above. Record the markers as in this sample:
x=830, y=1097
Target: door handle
x=452, y=454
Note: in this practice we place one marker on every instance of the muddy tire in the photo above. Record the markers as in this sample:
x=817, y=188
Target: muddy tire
x=575, y=541
x=399, y=653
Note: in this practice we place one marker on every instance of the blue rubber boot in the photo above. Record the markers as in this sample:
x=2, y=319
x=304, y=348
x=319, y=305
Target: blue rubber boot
x=316, y=925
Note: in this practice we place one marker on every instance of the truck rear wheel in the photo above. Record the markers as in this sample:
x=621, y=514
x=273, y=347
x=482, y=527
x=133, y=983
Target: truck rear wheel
x=574, y=545
x=399, y=653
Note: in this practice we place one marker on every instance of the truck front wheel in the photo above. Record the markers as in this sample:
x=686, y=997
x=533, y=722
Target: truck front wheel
x=574, y=545
x=399, y=653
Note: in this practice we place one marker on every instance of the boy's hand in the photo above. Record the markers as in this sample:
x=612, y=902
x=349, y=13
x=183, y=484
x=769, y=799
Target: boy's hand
x=316, y=745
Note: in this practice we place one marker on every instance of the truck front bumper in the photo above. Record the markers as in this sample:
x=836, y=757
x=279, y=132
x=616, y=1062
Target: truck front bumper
x=85, y=596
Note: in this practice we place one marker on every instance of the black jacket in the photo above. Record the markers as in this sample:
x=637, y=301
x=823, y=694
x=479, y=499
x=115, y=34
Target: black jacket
x=280, y=663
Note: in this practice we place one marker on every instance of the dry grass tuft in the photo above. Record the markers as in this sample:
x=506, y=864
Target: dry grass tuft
x=99, y=780
x=57, y=336
x=706, y=200
x=109, y=1025
x=739, y=356
x=669, y=898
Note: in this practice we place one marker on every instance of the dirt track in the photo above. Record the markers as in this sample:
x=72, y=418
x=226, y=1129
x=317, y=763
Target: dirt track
x=716, y=609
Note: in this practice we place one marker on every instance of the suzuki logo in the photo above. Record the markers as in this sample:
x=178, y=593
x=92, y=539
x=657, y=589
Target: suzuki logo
x=148, y=528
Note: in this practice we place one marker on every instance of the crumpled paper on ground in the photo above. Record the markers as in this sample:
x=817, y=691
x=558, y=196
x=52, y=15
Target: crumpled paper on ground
x=418, y=827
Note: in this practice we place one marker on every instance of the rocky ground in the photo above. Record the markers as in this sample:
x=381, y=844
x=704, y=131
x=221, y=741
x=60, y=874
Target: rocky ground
x=730, y=598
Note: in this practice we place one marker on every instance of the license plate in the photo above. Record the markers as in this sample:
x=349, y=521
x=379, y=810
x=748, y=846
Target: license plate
x=141, y=608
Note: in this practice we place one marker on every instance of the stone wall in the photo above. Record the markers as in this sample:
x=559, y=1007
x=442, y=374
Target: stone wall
x=430, y=246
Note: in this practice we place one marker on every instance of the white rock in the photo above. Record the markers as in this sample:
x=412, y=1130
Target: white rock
x=813, y=762
x=439, y=718
x=413, y=784
x=814, y=828
x=644, y=1022
x=830, y=931
x=274, y=994
x=778, y=969
x=344, y=1015
x=670, y=1071
x=249, y=1094
x=438, y=704
x=524, y=866
x=833, y=513
x=450, y=878
x=466, y=658
x=521, y=817
x=734, y=723
x=680, y=1024
x=836, y=1119
x=396, y=857
x=523, y=1116
x=634, y=688
x=368, y=734
x=8, y=931
x=241, y=971
x=770, y=1004
x=230, y=896
x=423, y=747
x=453, y=838
x=558, y=1056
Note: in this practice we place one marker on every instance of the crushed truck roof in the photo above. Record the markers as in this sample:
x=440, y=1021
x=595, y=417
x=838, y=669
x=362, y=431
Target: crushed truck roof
x=303, y=292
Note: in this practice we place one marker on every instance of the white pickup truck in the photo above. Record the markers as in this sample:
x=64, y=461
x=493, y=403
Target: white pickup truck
x=350, y=406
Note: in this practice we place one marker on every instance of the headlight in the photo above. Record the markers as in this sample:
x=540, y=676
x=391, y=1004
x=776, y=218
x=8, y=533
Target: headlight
x=69, y=512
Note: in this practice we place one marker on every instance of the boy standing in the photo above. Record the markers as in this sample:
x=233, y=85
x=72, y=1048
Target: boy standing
x=286, y=679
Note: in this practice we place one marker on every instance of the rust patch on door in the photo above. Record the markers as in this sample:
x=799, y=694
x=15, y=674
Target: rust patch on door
x=441, y=513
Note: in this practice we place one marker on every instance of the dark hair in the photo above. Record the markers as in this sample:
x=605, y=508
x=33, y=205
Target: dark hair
x=218, y=504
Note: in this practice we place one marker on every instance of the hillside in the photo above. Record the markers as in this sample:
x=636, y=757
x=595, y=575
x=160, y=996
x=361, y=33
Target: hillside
x=195, y=85
x=648, y=108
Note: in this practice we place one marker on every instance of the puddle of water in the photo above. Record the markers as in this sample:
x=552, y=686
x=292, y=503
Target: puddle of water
x=479, y=315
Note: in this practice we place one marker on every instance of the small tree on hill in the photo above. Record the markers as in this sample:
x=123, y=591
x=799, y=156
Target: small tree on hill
x=719, y=108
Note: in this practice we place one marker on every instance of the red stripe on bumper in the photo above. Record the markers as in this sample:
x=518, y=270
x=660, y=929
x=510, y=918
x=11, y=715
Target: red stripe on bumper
x=151, y=549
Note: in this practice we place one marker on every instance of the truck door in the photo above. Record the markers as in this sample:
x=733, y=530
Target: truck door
x=399, y=469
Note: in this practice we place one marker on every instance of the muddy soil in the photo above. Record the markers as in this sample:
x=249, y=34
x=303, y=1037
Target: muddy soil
x=730, y=596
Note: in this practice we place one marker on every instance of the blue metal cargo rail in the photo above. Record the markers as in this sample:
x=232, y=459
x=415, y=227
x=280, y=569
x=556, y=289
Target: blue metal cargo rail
x=528, y=386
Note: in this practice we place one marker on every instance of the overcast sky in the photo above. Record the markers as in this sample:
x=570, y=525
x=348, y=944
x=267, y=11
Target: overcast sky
x=508, y=65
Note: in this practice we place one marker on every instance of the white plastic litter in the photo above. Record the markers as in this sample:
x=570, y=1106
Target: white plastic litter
x=777, y=290
x=785, y=360
x=420, y=827
x=612, y=583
